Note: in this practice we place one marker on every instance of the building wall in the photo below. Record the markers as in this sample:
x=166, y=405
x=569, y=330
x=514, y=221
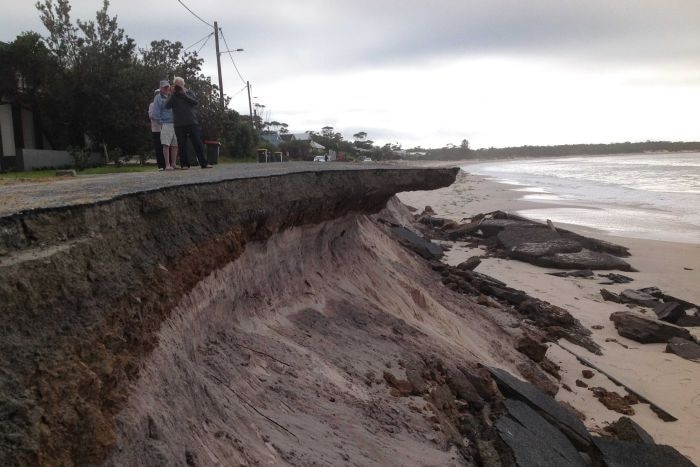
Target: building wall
x=28, y=129
x=7, y=131
x=44, y=159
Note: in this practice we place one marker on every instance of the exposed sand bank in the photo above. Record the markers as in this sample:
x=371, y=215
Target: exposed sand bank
x=663, y=378
x=302, y=328
x=92, y=269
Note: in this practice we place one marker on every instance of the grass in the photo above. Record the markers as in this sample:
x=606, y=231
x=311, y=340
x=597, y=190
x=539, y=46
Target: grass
x=50, y=174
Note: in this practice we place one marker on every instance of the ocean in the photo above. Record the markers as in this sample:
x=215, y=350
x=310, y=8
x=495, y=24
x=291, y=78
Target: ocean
x=652, y=196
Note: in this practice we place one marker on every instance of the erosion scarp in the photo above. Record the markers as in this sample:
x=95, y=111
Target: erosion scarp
x=86, y=288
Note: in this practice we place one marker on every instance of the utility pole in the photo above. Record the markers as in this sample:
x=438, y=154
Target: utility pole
x=218, y=64
x=250, y=107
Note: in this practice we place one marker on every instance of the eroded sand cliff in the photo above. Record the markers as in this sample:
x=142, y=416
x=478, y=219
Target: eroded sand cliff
x=88, y=287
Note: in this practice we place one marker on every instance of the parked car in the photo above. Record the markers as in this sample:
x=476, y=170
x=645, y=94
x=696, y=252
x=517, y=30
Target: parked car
x=320, y=159
x=365, y=159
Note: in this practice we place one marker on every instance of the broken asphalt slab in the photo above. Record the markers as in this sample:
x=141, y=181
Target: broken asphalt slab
x=684, y=349
x=420, y=245
x=646, y=331
x=554, y=412
x=617, y=453
x=533, y=440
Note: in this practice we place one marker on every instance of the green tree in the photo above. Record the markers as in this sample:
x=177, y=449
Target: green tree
x=237, y=137
x=360, y=136
x=63, y=34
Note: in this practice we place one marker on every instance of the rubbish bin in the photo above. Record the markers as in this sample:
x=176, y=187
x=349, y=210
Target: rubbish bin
x=213, y=148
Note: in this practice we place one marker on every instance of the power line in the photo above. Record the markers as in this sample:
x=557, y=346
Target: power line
x=205, y=43
x=203, y=38
x=231, y=57
x=195, y=14
x=239, y=91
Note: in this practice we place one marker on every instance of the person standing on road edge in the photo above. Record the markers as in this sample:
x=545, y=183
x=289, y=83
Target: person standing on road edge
x=164, y=115
x=183, y=101
x=155, y=133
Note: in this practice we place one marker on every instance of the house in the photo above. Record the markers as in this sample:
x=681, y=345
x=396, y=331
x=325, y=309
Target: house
x=23, y=143
x=287, y=137
x=272, y=138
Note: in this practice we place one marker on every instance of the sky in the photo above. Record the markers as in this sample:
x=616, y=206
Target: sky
x=495, y=72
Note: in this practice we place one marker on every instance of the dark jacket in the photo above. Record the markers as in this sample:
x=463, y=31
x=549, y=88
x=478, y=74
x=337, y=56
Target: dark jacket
x=183, y=105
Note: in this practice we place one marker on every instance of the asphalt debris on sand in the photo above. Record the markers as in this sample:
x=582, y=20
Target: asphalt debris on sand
x=614, y=401
x=424, y=247
x=555, y=321
x=542, y=431
x=672, y=315
x=684, y=348
x=645, y=330
x=616, y=453
x=533, y=439
x=626, y=429
x=533, y=242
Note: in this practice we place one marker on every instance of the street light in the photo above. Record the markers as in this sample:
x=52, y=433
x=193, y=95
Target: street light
x=227, y=51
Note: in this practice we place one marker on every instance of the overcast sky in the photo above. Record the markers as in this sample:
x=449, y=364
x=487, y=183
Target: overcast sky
x=496, y=72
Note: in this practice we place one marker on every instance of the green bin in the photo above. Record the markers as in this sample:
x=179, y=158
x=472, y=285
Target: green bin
x=213, y=148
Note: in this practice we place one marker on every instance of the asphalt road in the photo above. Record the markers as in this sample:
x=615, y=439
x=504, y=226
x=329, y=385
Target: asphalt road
x=89, y=189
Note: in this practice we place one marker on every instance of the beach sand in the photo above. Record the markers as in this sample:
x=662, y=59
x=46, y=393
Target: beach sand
x=665, y=379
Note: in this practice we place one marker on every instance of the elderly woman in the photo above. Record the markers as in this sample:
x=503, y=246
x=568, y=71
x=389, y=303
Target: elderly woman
x=155, y=133
x=182, y=102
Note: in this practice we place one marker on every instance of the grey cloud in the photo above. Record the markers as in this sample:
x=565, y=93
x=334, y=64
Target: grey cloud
x=313, y=35
x=369, y=35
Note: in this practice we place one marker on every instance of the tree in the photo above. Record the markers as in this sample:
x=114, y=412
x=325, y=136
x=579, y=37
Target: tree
x=63, y=35
x=101, y=84
x=237, y=137
x=465, y=144
x=297, y=150
x=327, y=131
x=99, y=66
x=360, y=136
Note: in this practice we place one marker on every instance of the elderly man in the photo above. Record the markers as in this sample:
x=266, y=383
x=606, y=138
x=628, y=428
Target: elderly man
x=182, y=102
x=164, y=116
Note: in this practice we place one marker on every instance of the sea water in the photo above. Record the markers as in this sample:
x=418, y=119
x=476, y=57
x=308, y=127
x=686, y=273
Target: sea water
x=653, y=196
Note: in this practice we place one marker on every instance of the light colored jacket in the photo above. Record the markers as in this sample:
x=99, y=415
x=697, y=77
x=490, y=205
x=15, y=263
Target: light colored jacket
x=160, y=112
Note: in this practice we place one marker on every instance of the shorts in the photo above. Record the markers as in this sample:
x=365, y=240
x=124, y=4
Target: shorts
x=167, y=135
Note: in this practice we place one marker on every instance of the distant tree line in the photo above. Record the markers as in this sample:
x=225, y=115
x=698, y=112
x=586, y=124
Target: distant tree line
x=88, y=78
x=452, y=152
x=331, y=140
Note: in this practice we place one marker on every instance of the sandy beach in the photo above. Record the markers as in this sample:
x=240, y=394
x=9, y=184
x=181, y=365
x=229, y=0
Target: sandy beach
x=666, y=379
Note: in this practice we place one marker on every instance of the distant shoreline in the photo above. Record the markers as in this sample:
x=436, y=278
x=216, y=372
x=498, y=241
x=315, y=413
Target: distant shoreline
x=466, y=162
x=561, y=150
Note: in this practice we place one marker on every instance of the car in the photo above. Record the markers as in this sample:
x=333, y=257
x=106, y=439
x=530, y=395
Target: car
x=320, y=159
x=365, y=159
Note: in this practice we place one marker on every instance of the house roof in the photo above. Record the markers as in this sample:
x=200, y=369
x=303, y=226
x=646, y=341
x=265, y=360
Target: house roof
x=272, y=138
